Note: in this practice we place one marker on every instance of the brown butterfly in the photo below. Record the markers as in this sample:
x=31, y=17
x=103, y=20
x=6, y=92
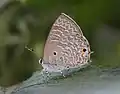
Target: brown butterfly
x=66, y=47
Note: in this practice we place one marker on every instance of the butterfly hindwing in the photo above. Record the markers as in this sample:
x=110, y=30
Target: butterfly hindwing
x=65, y=44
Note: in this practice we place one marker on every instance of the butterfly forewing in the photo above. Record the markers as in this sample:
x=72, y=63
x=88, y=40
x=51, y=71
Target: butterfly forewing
x=64, y=45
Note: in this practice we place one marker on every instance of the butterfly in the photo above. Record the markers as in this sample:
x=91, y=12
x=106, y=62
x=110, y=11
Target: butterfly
x=66, y=47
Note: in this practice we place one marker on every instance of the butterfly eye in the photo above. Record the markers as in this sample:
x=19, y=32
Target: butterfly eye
x=84, y=50
x=40, y=61
x=54, y=53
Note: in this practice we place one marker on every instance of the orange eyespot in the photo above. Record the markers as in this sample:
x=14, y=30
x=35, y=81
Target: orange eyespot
x=84, y=50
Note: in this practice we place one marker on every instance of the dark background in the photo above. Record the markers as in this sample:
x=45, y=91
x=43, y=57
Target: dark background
x=28, y=22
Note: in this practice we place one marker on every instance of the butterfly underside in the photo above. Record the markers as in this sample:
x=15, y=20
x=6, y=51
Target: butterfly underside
x=66, y=47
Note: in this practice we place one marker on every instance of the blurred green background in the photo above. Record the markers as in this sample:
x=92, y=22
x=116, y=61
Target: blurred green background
x=28, y=22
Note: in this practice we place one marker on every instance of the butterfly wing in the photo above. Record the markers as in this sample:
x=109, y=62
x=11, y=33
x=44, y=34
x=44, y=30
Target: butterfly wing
x=64, y=45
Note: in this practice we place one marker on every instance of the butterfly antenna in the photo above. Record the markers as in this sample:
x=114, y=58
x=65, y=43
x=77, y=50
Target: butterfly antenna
x=29, y=49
